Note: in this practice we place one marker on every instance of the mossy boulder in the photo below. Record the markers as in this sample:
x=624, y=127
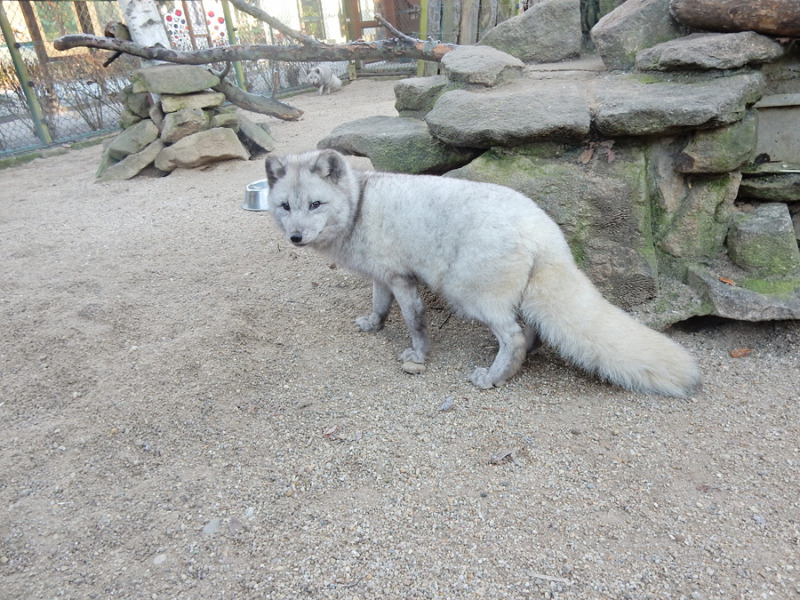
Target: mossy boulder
x=397, y=145
x=599, y=198
x=764, y=243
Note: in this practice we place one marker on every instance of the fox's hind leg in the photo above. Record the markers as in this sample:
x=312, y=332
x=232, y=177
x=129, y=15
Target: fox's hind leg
x=381, y=303
x=513, y=346
x=532, y=339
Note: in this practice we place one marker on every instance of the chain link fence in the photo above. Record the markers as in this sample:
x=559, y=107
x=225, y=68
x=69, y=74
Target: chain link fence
x=48, y=96
x=51, y=97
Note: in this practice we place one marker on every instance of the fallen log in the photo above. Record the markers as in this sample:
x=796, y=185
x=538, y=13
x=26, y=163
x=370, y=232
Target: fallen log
x=779, y=18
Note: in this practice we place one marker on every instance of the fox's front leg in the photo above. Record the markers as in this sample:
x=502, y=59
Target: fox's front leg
x=381, y=303
x=413, y=309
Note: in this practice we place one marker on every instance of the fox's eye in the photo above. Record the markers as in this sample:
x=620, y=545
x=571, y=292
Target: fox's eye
x=315, y=205
x=285, y=206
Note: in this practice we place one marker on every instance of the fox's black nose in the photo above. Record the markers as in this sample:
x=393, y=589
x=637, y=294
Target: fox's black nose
x=295, y=238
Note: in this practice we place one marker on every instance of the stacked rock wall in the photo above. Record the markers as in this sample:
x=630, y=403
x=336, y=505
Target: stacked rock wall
x=173, y=119
x=649, y=160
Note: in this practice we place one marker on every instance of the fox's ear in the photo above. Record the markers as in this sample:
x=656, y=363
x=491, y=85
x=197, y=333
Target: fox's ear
x=275, y=170
x=329, y=165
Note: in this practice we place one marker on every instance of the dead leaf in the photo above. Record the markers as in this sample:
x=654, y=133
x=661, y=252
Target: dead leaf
x=611, y=155
x=726, y=280
x=740, y=352
x=331, y=431
x=586, y=155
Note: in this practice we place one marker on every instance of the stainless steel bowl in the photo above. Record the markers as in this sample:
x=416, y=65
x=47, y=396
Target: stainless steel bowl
x=255, y=196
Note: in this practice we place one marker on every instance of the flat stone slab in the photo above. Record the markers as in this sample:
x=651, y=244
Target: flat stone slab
x=710, y=51
x=396, y=144
x=736, y=302
x=196, y=150
x=626, y=106
x=778, y=182
x=172, y=79
x=513, y=115
x=133, y=139
x=131, y=165
x=172, y=103
x=481, y=65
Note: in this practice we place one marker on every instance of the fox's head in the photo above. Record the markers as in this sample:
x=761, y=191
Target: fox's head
x=311, y=196
x=314, y=76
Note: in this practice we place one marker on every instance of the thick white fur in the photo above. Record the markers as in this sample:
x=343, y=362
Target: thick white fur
x=323, y=78
x=489, y=251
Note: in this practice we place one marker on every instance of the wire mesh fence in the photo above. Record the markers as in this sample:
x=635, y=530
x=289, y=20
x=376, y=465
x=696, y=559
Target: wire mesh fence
x=49, y=97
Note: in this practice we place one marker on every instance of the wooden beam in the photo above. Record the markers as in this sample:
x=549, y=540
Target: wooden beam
x=779, y=18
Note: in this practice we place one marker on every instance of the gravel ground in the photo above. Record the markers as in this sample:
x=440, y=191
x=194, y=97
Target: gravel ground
x=188, y=411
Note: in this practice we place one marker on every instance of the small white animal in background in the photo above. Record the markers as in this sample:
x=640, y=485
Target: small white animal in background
x=324, y=78
x=488, y=250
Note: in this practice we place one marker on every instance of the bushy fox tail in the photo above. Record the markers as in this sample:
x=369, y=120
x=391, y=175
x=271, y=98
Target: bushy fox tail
x=572, y=316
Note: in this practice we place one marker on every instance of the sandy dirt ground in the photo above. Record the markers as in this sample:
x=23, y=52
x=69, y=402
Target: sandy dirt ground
x=188, y=411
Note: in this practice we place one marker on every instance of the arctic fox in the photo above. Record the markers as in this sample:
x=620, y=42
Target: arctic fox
x=323, y=77
x=488, y=250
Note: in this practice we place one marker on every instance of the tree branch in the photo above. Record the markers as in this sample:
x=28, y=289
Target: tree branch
x=389, y=49
x=308, y=50
x=257, y=103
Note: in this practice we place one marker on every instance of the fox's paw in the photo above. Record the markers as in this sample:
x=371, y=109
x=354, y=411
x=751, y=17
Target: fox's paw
x=411, y=355
x=480, y=378
x=370, y=323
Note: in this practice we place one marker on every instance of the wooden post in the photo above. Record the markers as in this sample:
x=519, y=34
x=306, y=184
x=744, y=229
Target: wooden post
x=451, y=20
x=468, y=32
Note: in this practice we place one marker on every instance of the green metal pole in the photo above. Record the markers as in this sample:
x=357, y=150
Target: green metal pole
x=237, y=67
x=24, y=79
x=423, y=32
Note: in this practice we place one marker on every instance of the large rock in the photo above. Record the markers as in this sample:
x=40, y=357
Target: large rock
x=696, y=225
x=184, y=122
x=549, y=31
x=133, y=140
x=201, y=149
x=481, y=65
x=600, y=202
x=131, y=165
x=512, y=115
x=256, y=138
x=710, y=51
x=396, y=144
x=625, y=106
x=720, y=150
x=763, y=242
x=633, y=26
x=173, y=79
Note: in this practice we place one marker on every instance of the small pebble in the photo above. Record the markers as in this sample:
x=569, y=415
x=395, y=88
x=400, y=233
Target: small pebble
x=211, y=527
x=413, y=368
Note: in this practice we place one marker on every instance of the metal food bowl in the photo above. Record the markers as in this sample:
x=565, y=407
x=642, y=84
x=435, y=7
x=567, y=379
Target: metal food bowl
x=255, y=196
